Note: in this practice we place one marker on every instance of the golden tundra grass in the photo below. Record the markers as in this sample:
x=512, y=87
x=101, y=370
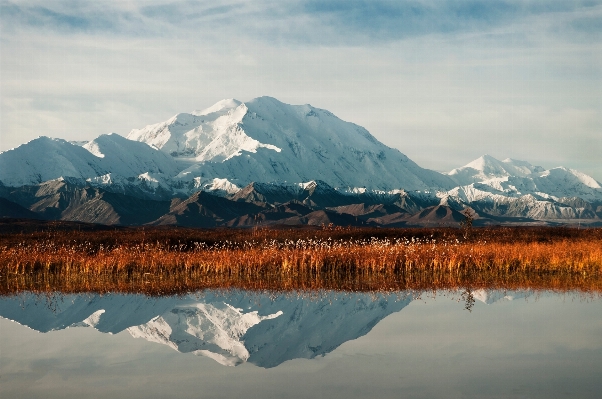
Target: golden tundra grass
x=178, y=260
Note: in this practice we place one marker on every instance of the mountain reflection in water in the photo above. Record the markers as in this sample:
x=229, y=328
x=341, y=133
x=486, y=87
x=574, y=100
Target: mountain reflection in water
x=417, y=344
x=233, y=328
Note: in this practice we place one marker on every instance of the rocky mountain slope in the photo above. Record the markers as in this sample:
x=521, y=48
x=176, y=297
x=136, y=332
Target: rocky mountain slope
x=314, y=203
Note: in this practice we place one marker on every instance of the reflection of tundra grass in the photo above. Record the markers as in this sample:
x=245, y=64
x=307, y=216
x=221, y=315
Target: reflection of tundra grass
x=168, y=261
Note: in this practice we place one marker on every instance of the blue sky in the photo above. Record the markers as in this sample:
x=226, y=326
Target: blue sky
x=442, y=81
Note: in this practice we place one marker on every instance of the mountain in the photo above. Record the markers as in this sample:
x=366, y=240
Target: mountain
x=110, y=161
x=72, y=199
x=313, y=203
x=438, y=214
x=45, y=159
x=232, y=328
x=268, y=193
x=265, y=140
x=517, y=178
x=288, y=213
x=314, y=193
x=513, y=188
x=487, y=167
x=127, y=158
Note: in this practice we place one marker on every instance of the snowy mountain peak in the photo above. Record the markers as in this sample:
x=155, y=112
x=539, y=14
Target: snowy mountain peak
x=44, y=159
x=129, y=158
x=265, y=140
x=214, y=134
x=208, y=329
x=487, y=167
x=104, y=159
x=232, y=144
x=105, y=143
x=518, y=189
x=316, y=186
x=522, y=166
x=219, y=106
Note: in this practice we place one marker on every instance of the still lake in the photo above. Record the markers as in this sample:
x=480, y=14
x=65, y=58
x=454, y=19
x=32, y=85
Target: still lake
x=212, y=344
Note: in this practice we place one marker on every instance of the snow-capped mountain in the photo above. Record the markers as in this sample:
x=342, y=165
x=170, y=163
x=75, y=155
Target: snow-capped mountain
x=109, y=158
x=214, y=330
x=45, y=159
x=487, y=167
x=129, y=158
x=267, y=151
x=516, y=178
x=265, y=140
x=518, y=189
x=231, y=328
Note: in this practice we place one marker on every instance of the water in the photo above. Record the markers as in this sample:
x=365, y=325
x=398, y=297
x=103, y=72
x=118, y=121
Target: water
x=332, y=345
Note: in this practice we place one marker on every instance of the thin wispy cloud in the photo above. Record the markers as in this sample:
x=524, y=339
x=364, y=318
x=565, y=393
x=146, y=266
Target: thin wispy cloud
x=347, y=22
x=61, y=19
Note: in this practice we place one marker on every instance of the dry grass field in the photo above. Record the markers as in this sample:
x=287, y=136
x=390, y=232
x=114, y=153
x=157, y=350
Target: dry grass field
x=167, y=261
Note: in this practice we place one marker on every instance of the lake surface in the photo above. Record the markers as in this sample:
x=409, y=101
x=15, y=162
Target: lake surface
x=334, y=345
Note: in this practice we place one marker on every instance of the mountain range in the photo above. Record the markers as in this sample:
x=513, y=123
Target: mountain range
x=266, y=162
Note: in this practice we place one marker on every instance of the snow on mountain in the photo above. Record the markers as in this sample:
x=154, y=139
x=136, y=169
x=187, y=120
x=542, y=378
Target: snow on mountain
x=487, y=167
x=562, y=182
x=515, y=178
x=189, y=134
x=108, y=160
x=44, y=159
x=314, y=327
x=80, y=143
x=265, y=140
x=488, y=201
x=518, y=189
x=127, y=158
x=208, y=329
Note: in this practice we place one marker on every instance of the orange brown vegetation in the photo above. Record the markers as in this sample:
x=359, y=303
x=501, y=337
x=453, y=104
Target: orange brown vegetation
x=166, y=261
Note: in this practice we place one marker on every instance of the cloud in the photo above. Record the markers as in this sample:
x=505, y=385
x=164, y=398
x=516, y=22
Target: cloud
x=179, y=13
x=392, y=20
x=307, y=22
x=71, y=17
x=385, y=21
x=423, y=76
